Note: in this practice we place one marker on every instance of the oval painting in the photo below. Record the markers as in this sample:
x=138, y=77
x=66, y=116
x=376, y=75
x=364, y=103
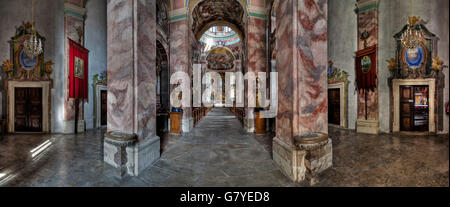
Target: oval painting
x=414, y=56
x=27, y=62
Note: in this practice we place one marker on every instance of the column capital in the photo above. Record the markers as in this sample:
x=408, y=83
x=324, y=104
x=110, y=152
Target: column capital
x=366, y=5
x=179, y=14
x=257, y=12
x=74, y=10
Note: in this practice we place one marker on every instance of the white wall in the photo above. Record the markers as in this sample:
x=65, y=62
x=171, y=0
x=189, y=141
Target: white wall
x=342, y=45
x=95, y=42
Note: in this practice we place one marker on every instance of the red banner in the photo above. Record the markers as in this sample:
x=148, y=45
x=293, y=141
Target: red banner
x=78, y=72
x=366, y=68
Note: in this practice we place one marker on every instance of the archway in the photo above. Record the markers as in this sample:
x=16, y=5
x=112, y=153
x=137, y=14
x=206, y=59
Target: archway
x=219, y=26
x=162, y=89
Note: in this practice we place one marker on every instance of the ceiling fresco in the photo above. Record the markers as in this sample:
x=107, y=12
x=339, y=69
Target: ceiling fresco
x=215, y=38
x=220, y=58
x=218, y=11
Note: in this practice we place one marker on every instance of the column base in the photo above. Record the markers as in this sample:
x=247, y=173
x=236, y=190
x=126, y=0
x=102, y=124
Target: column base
x=130, y=157
x=368, y=126
x=187, y=125
x=303, y=162
x=69, y=128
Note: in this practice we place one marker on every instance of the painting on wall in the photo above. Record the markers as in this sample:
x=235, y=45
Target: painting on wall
x=220, y=58
x=79, y=67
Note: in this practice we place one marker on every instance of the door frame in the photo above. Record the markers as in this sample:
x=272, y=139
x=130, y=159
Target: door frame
x=430, y=82
x=98, y=104
x=343, y=101
x=45, y=85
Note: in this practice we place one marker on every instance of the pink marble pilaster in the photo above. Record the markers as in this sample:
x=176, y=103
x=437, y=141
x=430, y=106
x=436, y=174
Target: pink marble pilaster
x=368, y=21
x=131, y=67
x=180, y=60
x=256, y=57
x=74, y=30
x=301, y=63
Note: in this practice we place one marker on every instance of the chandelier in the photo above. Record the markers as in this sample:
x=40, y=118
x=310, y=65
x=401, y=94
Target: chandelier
x=413, y=35
x=33, y=45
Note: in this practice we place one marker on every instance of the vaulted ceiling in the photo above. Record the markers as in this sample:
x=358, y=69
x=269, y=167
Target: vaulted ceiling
x=217, y=12
x=220, y=58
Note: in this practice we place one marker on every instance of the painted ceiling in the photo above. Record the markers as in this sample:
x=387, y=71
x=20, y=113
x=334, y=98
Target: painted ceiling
x=220, y=38
x=220, y=58
x=217, y=12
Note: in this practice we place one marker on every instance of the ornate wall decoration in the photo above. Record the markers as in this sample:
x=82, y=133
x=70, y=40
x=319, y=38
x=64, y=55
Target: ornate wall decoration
x=26, y=72
x=414, y=62
x=22, y=67
x=336, y=75
x=438, y=64
x=100, y=78
x=220, y=58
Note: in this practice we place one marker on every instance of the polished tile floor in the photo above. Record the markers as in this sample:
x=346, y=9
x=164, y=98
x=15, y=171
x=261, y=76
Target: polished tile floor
x=219, y=153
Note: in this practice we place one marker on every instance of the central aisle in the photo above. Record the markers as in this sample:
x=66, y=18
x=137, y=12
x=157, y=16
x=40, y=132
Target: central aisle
x=217, y=152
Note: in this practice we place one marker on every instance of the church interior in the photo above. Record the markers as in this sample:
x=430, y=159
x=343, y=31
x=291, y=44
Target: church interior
x=362, y=93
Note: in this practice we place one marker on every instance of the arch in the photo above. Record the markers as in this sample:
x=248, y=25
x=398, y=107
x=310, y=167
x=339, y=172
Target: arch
x=227, y=61
x=161, y=51
x=219, y=23
x=205, y=13
x=194, y=3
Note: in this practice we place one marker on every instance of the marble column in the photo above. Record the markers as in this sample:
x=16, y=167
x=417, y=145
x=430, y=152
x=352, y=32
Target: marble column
x=256, y=54
x=180, y=55
x=367, y=11
x=74, y=17
x=301, y=35
x=132, y=81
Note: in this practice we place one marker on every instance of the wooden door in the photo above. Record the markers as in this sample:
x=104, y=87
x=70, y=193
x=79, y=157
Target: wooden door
x=28, y=110
x=20, y=109
x=334, y=106
x=103, y=107
x=406, y=108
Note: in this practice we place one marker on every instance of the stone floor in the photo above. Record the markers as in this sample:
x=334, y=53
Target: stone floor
x=219, y=153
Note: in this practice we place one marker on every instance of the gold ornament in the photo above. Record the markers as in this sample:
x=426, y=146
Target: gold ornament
x=437, y=64
x=7, y=66
x=392, y=64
